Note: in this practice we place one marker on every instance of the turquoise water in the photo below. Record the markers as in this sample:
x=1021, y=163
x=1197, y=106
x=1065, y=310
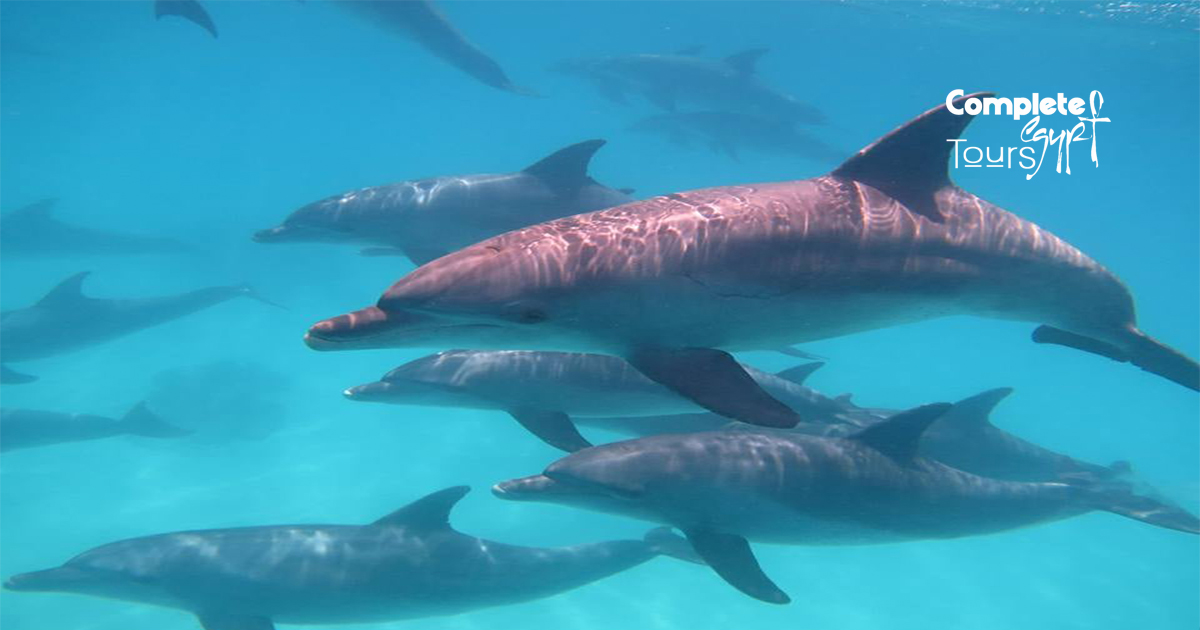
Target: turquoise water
x=157, y=128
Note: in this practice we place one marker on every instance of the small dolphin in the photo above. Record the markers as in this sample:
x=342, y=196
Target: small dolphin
x=729, y=84
x=190, y=10
x=66, y=320
x=32, y=231
x=543, y=391
x=28, y=428
x=730, y=132
x=725, y=488
x=406, y=565
x=674, y=282
x=427, y=218
x=422, y=22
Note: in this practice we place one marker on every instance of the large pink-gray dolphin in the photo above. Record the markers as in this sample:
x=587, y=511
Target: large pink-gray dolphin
x=674, y=282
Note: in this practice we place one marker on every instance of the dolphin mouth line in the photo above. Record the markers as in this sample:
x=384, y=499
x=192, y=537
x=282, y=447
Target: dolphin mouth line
x=315, y=339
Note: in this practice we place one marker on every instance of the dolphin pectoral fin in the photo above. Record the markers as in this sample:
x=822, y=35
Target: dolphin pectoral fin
x=899, y=436
x=552, y=427
x=731, y=557
x=222, y=621
x=911, y=163
x=9, y=376
x=421, y=254
x=1143, y=351
x=800, y=373
x=714, y=380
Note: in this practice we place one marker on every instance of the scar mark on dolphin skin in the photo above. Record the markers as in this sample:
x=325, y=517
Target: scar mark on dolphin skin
x=766, y=296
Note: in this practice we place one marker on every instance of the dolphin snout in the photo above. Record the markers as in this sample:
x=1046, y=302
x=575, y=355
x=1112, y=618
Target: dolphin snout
x=270, y=235
x=367, y=392
x=527, y=488
x=47, y=580
x=335, y=332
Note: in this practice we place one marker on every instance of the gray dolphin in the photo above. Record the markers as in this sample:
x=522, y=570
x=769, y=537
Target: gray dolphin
x=544, y=390
x=190, y=10
x=673, y=282
x=729, y=84
x=65, y=320
x=406, y=565
x=422, y=22
x=731, y=132
x=428, y=218
x=33, y=231
x=28, y=428
x=964, y=438
x=725, y=488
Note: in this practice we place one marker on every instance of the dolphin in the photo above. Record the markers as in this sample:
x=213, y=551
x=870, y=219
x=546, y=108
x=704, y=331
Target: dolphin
x=673, y=283
x=963, y=438
x=730, y=132
x=32, y=231
x=543, y=391
x=729, y=84
x=408, y=564
x=190, y=10
x=428, y=218
x=65, y=320
x=726, y=488
x=422, y=22
x=28, y=428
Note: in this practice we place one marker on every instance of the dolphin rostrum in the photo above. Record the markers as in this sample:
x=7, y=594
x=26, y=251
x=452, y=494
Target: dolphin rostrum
x=33, y=231
x=428, y=218
x=28, y=428
x=544, y=391
x=408, y=564
x=66, y=320
x=674, y=282
x=422, y=22
x=725, y=488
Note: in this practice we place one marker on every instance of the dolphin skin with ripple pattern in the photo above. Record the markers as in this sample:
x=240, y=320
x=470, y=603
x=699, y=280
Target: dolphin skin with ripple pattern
x=674, y=282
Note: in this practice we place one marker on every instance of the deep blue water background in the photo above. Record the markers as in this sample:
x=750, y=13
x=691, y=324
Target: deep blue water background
x=157, y=128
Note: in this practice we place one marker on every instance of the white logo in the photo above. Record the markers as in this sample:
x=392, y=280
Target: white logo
x=1031, y=133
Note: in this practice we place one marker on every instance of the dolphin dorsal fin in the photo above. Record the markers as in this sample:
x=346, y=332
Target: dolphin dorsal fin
x=799, y=373
x=428, y=512
x=67, y=293
x=566, y=171
x=36, y=211
x=898, y=436
x=746, y=61
x=974, y=411
x=911, y=163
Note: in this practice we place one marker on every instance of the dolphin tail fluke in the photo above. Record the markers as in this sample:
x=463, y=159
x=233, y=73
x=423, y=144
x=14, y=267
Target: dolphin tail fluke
x=9, y=376
x=1119, y=498
x=1140, y=349
x=664, y=541
x=141, y=421
x=248, y=291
